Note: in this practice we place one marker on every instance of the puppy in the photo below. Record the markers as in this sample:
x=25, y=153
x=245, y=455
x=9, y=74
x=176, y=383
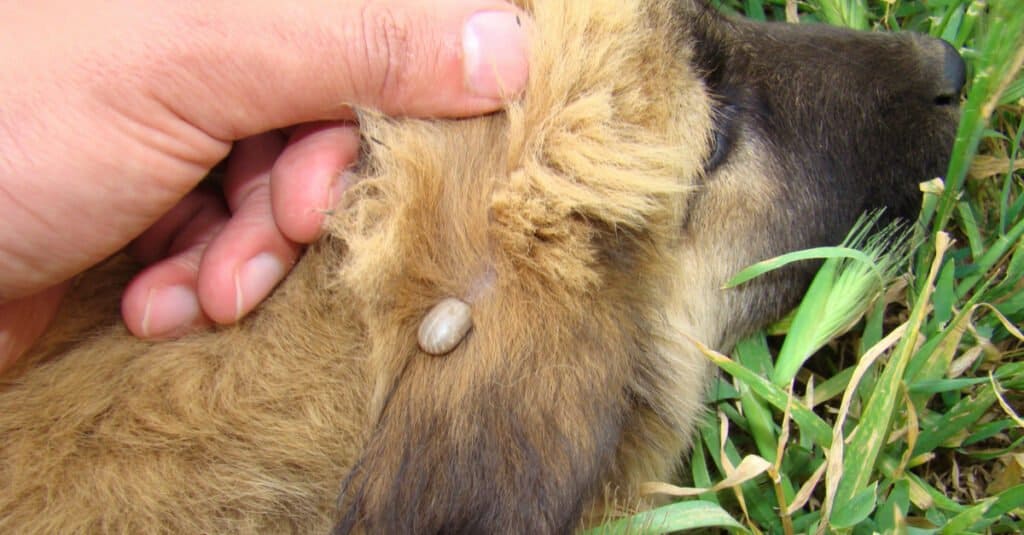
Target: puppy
x=658, y=149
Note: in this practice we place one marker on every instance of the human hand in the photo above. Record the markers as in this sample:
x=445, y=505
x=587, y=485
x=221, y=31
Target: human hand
x=113, y=112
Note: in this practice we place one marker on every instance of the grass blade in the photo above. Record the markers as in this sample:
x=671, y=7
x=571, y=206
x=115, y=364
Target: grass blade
x=670, y=518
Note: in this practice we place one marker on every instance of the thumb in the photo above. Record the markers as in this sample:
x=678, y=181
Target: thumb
x=272, y=64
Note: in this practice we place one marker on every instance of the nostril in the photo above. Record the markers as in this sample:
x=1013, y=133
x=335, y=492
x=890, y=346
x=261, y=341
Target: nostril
x=954, y=76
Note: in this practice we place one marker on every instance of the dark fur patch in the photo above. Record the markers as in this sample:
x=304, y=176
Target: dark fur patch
x=846, y=122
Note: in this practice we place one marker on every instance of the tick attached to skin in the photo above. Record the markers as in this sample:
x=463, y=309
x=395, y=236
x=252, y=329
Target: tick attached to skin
x=445, y=326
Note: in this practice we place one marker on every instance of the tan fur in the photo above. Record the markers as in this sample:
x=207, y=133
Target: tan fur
x=559, y=221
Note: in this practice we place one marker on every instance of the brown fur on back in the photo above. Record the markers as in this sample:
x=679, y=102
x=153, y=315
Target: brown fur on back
x=588, y=233
x=242, y=430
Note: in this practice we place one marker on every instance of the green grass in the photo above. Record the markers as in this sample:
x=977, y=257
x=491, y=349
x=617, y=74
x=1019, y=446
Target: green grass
x=909, y=419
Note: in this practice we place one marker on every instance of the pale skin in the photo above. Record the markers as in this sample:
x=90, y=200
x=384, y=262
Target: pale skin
x=113, y=112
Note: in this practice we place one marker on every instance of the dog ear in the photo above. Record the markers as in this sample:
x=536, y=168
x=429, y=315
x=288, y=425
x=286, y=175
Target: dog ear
x=554, y=222
x=511, y=432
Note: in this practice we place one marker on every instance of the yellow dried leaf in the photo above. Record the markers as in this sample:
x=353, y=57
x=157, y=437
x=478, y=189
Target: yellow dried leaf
x=1008, y=472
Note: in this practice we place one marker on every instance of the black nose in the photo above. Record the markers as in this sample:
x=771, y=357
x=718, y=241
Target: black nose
x=944, y=72
x=954, y=75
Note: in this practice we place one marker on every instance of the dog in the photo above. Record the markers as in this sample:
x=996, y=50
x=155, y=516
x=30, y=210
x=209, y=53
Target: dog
x=563, y=250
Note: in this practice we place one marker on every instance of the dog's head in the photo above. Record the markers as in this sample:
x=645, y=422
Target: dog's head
x=657, y=148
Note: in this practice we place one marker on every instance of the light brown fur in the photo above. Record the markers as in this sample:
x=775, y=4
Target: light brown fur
x=570, y=225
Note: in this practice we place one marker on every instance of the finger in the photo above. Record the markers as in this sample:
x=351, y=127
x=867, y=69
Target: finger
x=174, y=83
x=308, y=178
x=23, y=321
x=175, y=231
x=407, y=57
x=162, y=301
x=250, y=256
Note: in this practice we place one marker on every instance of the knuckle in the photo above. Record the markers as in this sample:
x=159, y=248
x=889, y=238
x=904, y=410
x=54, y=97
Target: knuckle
x=388, y=46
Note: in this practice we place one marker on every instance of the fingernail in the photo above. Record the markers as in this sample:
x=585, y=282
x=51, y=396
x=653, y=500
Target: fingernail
x=168, y=310
x=254, y=281
x=495, y=54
